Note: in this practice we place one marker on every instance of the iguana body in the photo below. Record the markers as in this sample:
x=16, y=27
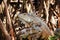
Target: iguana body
x=32, y=18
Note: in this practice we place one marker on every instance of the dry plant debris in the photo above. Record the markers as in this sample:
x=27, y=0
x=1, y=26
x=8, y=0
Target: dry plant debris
x=29, y=19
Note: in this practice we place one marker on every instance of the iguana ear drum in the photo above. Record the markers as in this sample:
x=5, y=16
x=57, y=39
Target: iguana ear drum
x=1, y=1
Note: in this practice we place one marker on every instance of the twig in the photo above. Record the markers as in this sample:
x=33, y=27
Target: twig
x=9, y=21
x=2, y=27
x=46, y=6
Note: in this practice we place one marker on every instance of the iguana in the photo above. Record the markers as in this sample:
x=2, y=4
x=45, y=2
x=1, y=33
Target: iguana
x=37, y=24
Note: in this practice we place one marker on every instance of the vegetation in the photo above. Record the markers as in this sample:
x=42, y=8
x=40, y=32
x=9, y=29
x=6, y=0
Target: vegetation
x=29, y=19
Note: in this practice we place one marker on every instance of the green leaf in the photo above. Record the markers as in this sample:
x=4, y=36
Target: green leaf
x=53, y=37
